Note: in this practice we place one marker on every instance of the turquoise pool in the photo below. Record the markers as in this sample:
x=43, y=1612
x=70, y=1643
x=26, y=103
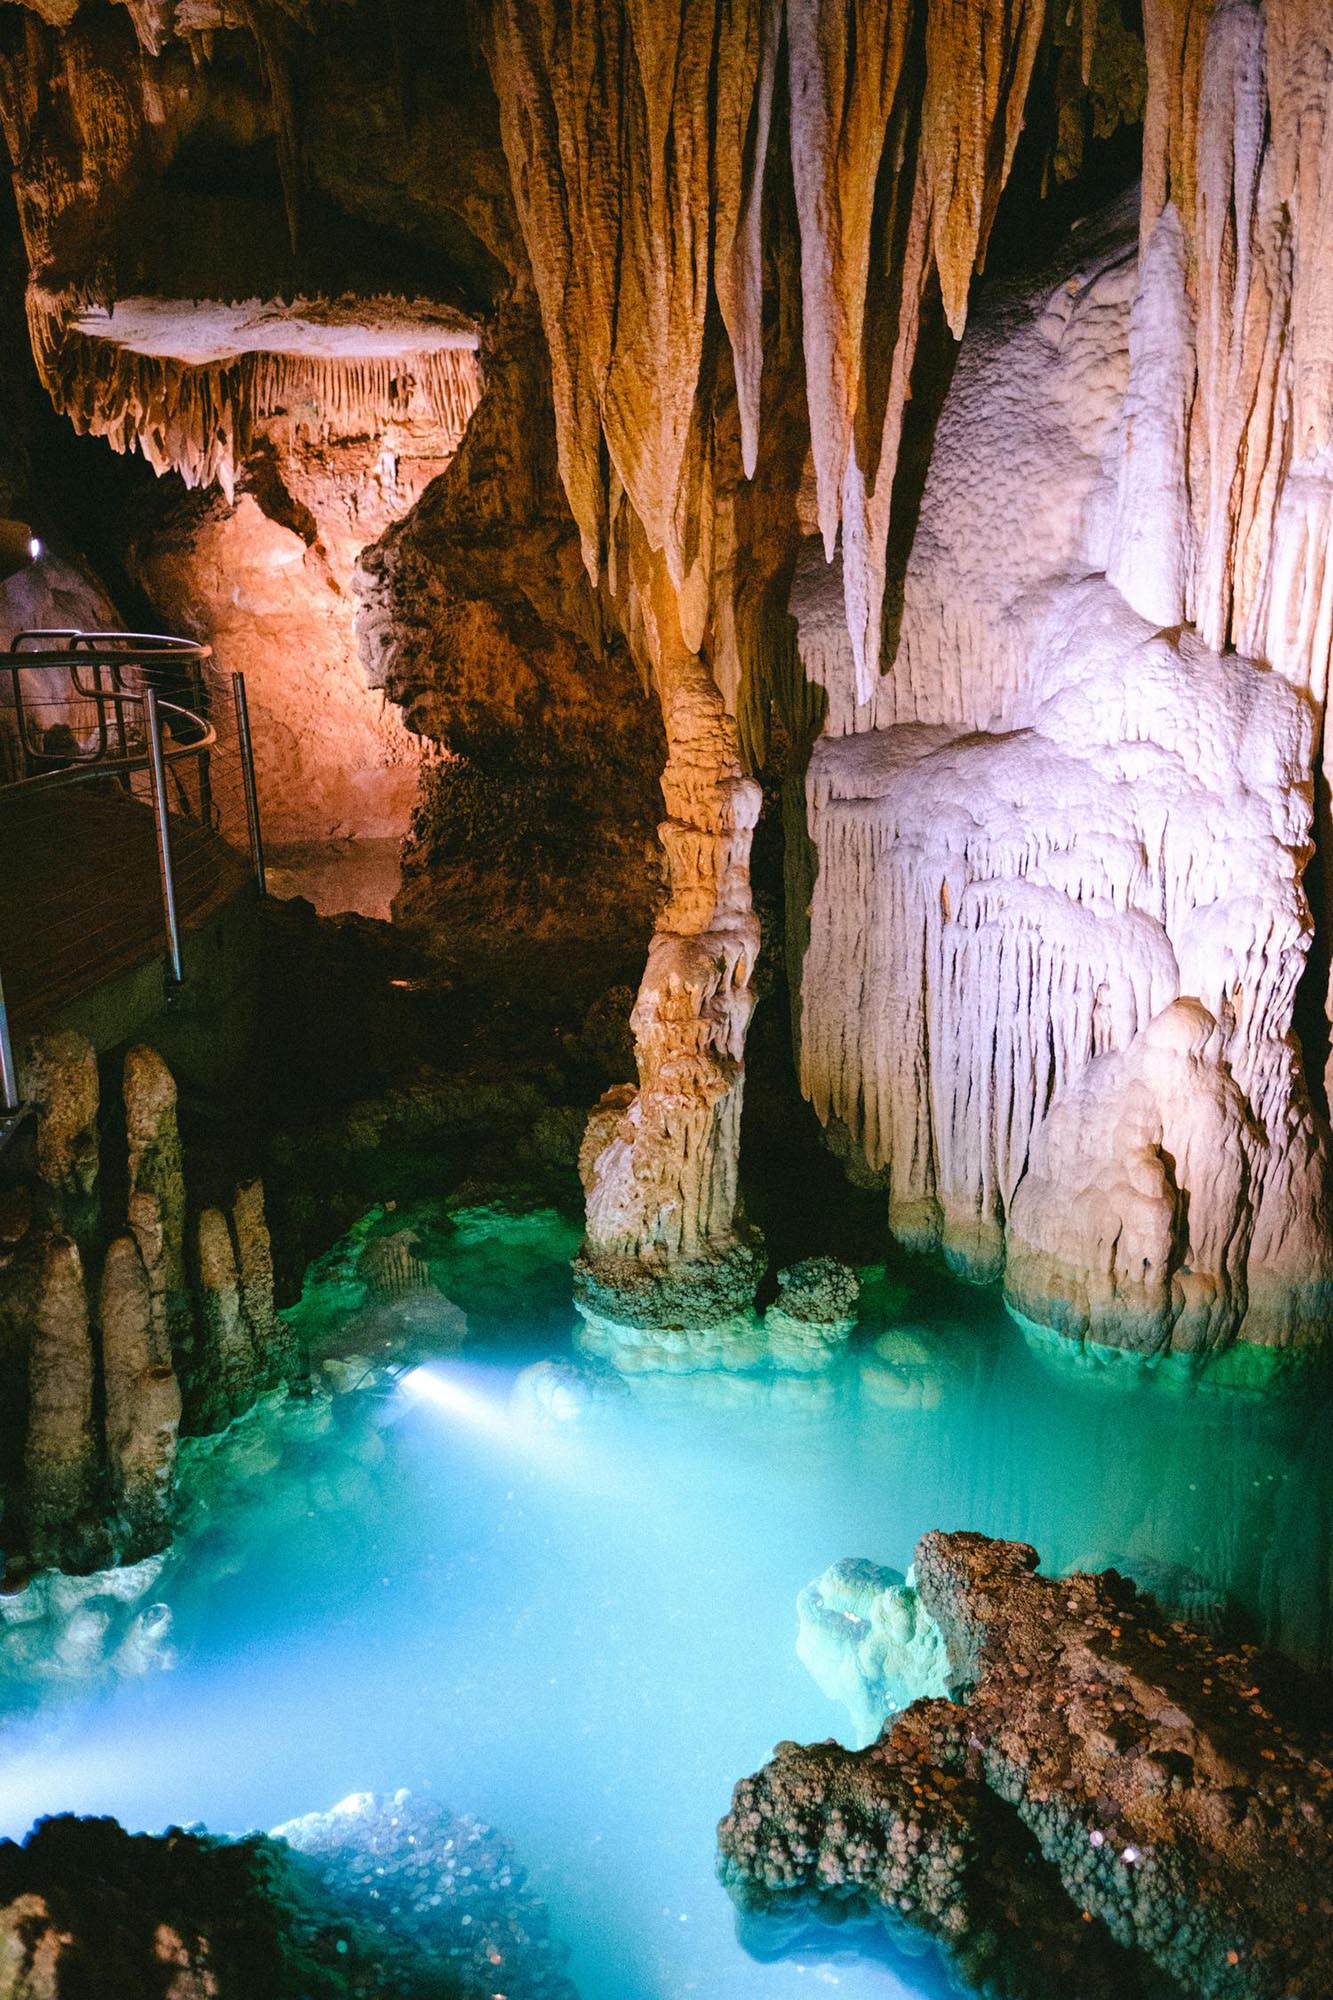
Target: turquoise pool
x=564, y=1600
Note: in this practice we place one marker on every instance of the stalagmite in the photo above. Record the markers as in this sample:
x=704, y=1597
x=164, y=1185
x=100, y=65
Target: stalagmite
x=223, y=1380
x=664, y=1242
x=60, y=1467
x=156, y=1198
x=276, y=1356
x=142, y=1404
x=60, y=1079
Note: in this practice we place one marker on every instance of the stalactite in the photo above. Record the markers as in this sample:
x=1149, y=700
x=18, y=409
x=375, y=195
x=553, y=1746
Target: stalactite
x=199, y=419
x=636, y=138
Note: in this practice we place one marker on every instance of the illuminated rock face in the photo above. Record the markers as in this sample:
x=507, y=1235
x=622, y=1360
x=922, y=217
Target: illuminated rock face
x=269, y=581
x=1059, y=923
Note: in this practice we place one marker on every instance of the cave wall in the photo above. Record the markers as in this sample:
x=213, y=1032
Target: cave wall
x=1050, y=607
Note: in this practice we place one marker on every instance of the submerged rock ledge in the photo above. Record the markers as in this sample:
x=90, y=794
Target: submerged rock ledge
x=1178, y=1793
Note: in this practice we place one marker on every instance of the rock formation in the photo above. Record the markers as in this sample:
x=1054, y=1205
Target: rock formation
x=1059, y=923
x=60, y=1469
x=155, y=1203
x=731, y=253
x=868, y=1643
x=309, y=375
x=814, y=1314
x=103, y=1338
x=226, y=1363
x=476, y=618
x=143, y=1405
x=1177, y=1792
x=60, y=1080
x=86, y=1906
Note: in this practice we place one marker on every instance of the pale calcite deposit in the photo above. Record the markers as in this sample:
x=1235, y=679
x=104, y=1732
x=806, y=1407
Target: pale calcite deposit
x=1059, y=921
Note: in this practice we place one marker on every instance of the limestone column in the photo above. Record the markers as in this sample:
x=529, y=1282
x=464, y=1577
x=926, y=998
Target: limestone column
x=275, y=1351
x=223, y=1382
x=60, y=1079
x=660, y=1166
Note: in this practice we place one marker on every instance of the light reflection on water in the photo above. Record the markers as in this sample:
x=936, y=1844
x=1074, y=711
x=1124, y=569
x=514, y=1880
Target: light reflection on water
x=583, y=1631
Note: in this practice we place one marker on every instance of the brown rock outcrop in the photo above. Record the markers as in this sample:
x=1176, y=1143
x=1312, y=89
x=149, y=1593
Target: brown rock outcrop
x=156, y=1198
x=1181, y=1793
x=275, y=1351
x=476, y=617
x=226, y=1368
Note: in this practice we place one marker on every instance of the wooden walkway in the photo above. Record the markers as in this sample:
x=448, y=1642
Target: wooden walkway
x=80, y=894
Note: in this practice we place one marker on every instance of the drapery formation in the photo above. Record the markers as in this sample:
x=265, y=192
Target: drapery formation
x=1060, y=923
x=638, y=138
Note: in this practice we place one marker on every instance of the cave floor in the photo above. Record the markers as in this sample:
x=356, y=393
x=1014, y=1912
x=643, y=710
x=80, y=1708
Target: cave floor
x=557, y=1589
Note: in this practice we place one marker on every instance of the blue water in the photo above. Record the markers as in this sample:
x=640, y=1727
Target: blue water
x=583, y=1631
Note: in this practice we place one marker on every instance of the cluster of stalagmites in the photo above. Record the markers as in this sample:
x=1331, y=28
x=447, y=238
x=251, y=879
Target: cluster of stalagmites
x=118, y=1331
x=1144, y=1779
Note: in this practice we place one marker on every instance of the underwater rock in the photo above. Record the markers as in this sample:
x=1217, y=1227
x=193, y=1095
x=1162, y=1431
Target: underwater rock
x=391, y=1266
x=86, y=1908
x=60, y=1468
x=814, y=1314
x=904, y=1370
x=867, y=1642
x=1181, y=1793
x=60, y=1080
x=722, y=1346
x=558, y=1392
x=73, y=1628
x=443, y=1891
x=142, y=1406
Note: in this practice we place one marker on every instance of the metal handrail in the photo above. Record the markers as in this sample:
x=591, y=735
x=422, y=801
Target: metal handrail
x=110, y=652
x=105, y=656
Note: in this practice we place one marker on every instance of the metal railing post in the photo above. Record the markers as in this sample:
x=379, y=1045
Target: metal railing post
x=9, y=1076
x=157, y=772
x=248, y=779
